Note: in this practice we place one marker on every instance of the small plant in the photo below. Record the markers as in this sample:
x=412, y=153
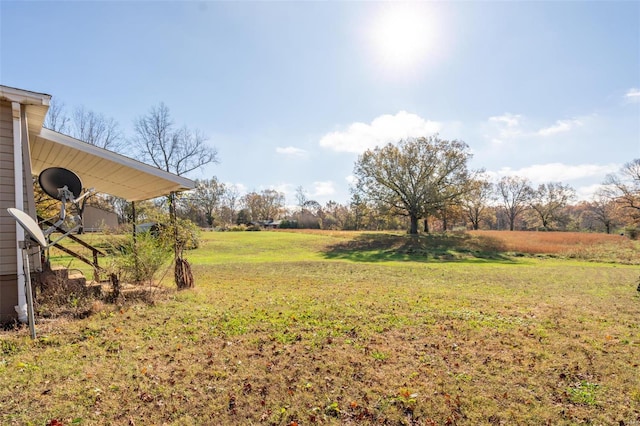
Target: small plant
x=583, y=393
x=379, y=356
x=332, y=410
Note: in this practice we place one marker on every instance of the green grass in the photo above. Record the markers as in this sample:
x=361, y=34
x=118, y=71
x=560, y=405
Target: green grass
x=287, y=328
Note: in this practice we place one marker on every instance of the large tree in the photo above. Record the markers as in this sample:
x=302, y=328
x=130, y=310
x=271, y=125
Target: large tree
x=414, y=177
x=549, y=200
x=176, y=150
x=515, y=195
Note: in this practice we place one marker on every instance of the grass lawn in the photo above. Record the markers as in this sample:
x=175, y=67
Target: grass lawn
x=305, y=328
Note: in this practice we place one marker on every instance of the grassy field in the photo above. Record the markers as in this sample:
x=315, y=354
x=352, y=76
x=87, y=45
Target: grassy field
x=305, y=328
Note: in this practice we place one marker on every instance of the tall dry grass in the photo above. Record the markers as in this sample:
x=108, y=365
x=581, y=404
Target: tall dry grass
x=579, y=245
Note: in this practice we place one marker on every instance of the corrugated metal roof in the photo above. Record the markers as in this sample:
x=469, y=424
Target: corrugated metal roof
x=103, y=170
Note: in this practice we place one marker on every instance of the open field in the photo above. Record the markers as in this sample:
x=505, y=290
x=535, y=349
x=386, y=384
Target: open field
x=349, y=328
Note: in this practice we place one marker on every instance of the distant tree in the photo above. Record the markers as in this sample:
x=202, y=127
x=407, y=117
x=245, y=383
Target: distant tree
x=549, y=200
x=175, y=150
x=336, y=215
x=85, y=125
x=56, y=119
x=266, y=205
x=415, y=176
x=603, y=210
x=301, y=197
x=359, y=211
x=243, y=217
x=207, y=196
x=624, y=188
x=230, y=201
x=96, y=129
x=475, y=202
x=515, y=194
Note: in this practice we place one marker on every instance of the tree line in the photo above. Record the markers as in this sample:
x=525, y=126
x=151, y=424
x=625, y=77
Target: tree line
x=415, y=184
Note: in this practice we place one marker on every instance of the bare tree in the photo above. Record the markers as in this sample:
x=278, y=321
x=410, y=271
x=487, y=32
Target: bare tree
x=96, y=129
x=178, y=151
x=230, y=200
x=624, y=187
x=515, y=194
x=56, y=118
x=549, y=200
x=476, y=200
x=603, y=209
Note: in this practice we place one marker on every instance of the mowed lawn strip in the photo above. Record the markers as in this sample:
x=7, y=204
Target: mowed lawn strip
x=278, y=333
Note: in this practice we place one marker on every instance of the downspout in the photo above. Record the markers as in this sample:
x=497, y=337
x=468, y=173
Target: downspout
x=18, y=170
x=30, y=203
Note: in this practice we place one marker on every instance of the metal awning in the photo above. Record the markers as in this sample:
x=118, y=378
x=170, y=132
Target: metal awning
x=103, y=170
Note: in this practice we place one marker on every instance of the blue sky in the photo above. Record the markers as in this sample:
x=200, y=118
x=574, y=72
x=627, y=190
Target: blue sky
x=291, y=92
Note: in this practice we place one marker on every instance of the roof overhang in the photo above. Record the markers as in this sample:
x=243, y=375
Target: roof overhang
x=36, y=104
x=103, y=170
x=98, y=168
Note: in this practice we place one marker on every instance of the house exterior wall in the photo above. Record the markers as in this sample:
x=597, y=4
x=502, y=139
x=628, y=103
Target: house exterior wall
x=8, y=252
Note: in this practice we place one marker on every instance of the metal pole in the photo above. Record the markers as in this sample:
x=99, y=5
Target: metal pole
x=29, y=291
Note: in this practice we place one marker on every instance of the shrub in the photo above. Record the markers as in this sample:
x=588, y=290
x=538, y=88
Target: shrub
x=139, y=261
x=632, y=232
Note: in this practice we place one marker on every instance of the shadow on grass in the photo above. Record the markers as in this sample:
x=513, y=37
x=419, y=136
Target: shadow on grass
x=448, y=247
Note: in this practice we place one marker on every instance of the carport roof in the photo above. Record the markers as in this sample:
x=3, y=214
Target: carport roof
x=103, y=170
x=100, y=169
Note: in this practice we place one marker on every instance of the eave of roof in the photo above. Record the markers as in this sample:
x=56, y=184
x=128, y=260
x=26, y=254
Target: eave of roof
x=36, y=104
x=103, y=170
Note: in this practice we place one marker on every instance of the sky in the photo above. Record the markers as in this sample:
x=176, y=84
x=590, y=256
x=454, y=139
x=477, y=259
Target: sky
x=290, y=93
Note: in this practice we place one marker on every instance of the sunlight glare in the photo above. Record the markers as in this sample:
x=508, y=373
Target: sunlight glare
x=402, y=36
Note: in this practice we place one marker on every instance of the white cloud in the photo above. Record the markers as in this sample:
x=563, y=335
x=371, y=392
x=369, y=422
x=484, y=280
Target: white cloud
x=503, y=127
x=558, y=172
x=241, y=188
x=511, y=120
x=285, y=188
x=633, y=95
x=291, y=151
x=323, y=189
x=559, y=127
x=359, y=137
x=587, y=192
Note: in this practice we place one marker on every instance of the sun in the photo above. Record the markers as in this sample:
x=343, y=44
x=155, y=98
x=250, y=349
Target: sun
x=402, y=35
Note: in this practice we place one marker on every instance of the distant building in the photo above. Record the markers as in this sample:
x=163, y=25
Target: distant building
x=97, y=220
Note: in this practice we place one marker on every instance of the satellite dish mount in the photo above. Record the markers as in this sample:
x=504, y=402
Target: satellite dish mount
x=66, y=186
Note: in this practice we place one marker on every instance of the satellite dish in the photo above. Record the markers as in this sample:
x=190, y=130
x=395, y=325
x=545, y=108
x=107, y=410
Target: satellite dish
x=29, y=225
x=53, y=179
